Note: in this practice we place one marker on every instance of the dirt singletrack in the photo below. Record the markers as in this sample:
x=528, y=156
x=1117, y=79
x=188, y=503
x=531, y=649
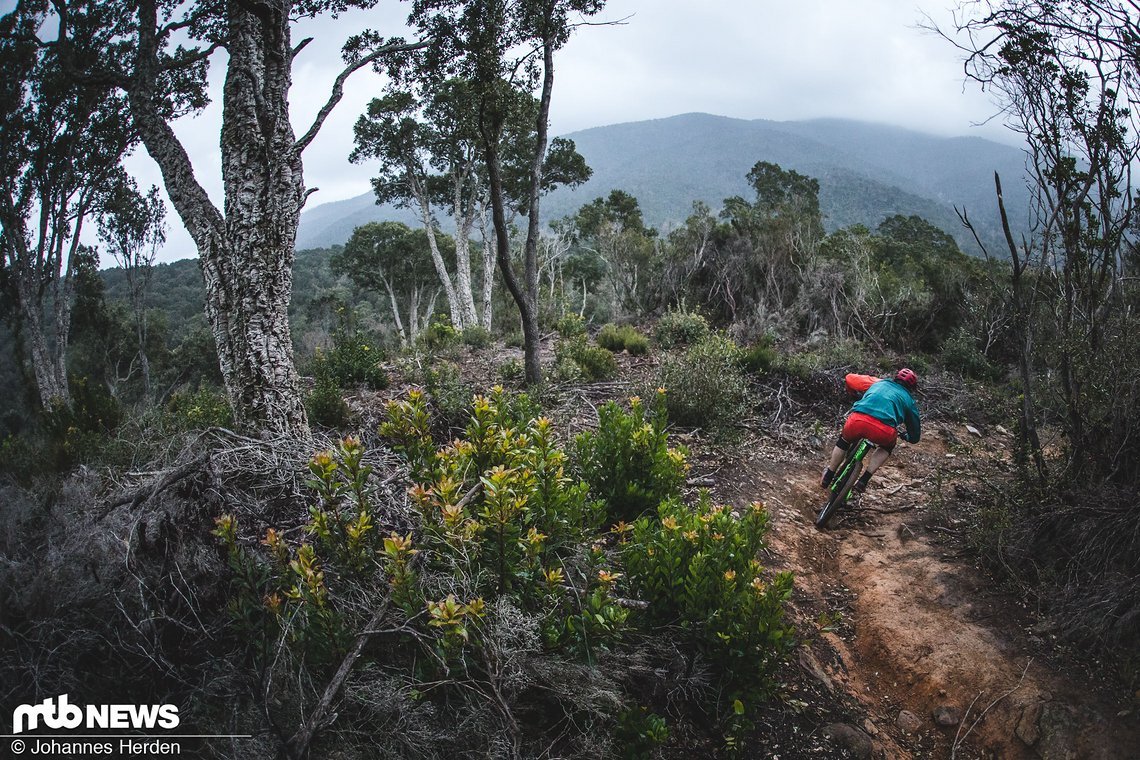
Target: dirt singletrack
x=934, y=660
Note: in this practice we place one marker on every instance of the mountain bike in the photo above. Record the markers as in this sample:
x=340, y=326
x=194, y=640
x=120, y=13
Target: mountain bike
x=844, y=481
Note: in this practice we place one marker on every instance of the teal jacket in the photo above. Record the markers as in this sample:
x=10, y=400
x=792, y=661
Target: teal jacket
x=892, y=403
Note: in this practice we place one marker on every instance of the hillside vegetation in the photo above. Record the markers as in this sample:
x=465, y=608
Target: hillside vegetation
x=523, y=489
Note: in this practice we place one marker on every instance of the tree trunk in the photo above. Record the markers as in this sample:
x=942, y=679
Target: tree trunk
x=488, y=267
x=464, y=221
x=246, y=255
x=453, y=305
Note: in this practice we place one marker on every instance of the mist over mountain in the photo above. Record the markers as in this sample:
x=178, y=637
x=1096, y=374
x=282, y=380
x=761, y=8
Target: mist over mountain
x=867, y=172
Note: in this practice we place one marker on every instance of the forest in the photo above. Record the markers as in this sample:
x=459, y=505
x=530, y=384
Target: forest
x=489, y=486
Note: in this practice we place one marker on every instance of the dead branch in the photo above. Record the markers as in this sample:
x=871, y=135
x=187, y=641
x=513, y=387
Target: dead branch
x=169, y=478
x=298, y=745
x=959, y=739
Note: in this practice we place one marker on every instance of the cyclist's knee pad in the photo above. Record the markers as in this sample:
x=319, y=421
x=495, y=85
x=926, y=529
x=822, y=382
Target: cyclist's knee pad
x=842, y=444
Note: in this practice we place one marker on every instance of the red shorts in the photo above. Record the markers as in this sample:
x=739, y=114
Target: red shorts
x=859, y=425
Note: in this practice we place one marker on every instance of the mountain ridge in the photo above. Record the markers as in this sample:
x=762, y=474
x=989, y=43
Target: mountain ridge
x=867, y=171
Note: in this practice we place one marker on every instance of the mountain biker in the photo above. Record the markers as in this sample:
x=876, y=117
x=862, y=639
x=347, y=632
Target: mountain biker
x=883, y=405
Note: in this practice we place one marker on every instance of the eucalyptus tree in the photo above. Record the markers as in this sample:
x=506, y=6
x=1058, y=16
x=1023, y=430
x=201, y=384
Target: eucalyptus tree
x=425, y=136
x=409, y=149
x=392, y=258
x=613, y=230
x=499, y=47
x=60, y=143
x=160, y=57
x=133, y=228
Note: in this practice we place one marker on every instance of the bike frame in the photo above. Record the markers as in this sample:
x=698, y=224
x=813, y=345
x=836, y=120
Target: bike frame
x=844, y=480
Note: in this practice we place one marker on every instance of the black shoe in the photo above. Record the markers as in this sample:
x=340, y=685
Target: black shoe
x=828, y=476
x=861, y=484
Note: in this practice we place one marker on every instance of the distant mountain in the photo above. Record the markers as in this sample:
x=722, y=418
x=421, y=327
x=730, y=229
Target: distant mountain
x=866, y=173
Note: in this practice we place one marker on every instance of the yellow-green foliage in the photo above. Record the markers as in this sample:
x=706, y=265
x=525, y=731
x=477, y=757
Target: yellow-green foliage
x=680, y=327
x=628, y=461
x=698, y=566
x=624, y=338
x=595, y=363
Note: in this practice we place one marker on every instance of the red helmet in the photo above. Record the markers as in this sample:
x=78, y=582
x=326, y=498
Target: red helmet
x=907, y=377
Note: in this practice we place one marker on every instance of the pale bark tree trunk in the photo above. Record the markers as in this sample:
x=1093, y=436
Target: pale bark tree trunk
x=246, y=254
x=488, y=267
x=437, y=258
x=463, y=224
x=47, y=268
x=396, y=312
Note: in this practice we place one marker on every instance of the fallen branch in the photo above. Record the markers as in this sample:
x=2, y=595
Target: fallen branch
x=169, y=478
x=298, y=745
x=958, y=740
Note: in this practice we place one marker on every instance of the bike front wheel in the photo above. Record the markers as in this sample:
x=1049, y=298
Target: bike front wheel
x=838, y=497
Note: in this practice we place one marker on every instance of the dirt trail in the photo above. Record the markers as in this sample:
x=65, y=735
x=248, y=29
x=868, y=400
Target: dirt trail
x=909, y=629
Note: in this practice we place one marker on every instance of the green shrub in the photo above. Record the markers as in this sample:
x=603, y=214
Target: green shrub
x=960, y=354
x=624, y=338
x=202, y=408
x=680, y=327
x=512, y=372
x=595, y=363
x=628, y=462
x=325, y=405
x=705, y=386
x=759, y=358
x=450, y=395
x=636, y=343
x=477, y=337
x=697, y=567
x=570, y=325
x=639, y=733
x=353, y=360
x=440, y=333
x=83, y=431
x=515, y=339
x=611, y=337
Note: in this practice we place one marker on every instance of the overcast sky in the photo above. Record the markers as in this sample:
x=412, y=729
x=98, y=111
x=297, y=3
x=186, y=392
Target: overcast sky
x=750, y=59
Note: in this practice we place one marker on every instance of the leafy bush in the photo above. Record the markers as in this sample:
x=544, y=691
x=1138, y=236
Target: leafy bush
x=570, y=325
x=705, y=386
x=595, y=363
x=515, y=339
x=636, y=343
x=82, y=432
x=325, y=405
x=501, y=572
x=611, y=337
x=450, y=395
x=440, y=333
x=352, y=361
x=202, y=408
x=960, y=354
x=628, y=462
x=624, y=338
x=759, y=358
x=476, y=336
x=680, y=327
x=512, y=372
x=697, y=566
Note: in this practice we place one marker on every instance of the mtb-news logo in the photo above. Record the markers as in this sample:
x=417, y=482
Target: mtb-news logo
x=58, y=713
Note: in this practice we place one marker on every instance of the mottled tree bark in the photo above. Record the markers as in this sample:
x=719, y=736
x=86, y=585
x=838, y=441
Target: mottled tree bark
x=246, y=254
